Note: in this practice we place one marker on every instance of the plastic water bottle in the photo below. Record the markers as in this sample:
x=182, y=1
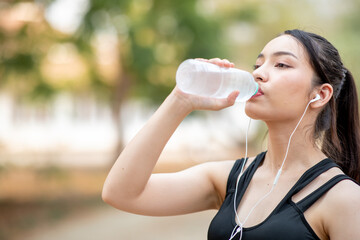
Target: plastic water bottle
x=210, y=80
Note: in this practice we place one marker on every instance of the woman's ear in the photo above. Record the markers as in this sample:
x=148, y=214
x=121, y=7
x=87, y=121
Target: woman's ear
x=324, y=93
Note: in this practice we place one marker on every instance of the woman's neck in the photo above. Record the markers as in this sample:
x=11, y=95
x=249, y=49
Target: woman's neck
x=302, y=150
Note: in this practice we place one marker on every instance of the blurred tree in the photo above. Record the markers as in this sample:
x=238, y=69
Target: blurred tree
x=347, y=40
x=125, y=48
x=151, y=39
x=131, y=48
x=24, y=40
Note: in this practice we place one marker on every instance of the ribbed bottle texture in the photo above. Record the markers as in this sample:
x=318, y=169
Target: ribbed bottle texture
x=206, y=79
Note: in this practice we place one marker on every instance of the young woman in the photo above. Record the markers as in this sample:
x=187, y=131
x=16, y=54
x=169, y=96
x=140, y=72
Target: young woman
x=308, y=100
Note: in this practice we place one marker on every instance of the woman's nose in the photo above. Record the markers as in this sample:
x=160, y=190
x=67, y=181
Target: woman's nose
x=260, y=74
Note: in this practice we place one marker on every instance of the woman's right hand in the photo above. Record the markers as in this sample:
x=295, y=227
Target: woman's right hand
x=195, y=102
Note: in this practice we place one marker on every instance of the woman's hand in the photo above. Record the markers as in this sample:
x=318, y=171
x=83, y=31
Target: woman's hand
x=220, y=62
x=195, y=102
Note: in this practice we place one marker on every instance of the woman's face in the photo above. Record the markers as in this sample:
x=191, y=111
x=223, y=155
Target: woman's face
x=284, y=75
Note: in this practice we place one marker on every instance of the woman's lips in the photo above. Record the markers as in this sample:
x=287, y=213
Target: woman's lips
x=259, y=93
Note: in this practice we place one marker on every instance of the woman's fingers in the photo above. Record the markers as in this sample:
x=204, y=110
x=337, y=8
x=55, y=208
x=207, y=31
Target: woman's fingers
x=222, y=62
x=232, y=97
x=219, y=103
x=228, y=63
x=202, y=59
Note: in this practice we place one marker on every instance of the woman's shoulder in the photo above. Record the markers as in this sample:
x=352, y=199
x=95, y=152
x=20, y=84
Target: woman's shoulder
x=344, y=193
x=345, y=190
x=219, y=172
x=342, y=210
x=225, y=167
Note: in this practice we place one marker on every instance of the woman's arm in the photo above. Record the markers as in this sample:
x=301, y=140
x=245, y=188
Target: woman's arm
x=131, y=186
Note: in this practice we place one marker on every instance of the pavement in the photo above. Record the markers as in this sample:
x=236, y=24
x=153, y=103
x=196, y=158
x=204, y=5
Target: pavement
x=108, y=223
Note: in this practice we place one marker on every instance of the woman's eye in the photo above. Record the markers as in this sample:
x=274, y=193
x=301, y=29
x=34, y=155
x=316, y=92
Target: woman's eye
x=256, y=66
x=281, y=65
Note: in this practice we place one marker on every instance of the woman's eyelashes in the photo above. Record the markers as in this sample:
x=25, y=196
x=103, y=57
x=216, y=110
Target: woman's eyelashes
x=281, y=65
x=277, y=65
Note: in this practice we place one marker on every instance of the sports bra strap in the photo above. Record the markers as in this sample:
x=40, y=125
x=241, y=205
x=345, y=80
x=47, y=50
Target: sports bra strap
x=311, y=174
x=309, y=200
x=247, y=174
x=308, y=177
x=231, y=183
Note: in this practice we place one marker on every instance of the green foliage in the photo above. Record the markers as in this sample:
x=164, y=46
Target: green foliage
x=22, y=62
x=42, y=92
x=154, y=36
x=153, y=28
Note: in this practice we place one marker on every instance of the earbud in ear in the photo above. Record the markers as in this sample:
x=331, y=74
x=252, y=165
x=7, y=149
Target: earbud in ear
x=317, y=97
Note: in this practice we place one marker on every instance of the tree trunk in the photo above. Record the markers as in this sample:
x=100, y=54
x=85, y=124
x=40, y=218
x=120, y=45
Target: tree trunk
x=120, y=91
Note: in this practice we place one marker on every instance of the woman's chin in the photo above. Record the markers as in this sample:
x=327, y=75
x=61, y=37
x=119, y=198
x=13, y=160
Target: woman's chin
x=251, y=111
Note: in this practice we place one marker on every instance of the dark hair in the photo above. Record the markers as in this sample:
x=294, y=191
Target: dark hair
x=338, y=123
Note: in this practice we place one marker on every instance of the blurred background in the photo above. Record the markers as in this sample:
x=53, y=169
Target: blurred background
x=78, y=78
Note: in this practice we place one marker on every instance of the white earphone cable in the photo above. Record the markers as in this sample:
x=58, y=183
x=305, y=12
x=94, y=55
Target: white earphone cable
x=239, y=225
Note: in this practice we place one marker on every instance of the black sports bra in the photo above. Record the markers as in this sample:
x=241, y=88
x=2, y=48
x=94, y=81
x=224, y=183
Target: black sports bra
x=286, y=221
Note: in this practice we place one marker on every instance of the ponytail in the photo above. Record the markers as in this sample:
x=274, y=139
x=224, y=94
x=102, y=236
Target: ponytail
x=347, y=131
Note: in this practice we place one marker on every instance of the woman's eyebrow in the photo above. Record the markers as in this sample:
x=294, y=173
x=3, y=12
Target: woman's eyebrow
x=279, y=53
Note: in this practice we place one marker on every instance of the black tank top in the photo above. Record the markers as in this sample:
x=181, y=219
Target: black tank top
x=286, y=221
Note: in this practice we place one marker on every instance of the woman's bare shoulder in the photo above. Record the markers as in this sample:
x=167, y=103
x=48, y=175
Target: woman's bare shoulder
x=343, y=210
x=344, y=193
x=222, y=169
x=219, y=173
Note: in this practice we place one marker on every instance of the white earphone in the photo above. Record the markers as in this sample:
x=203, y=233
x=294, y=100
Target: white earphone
x=317, y=97
x=238, y=229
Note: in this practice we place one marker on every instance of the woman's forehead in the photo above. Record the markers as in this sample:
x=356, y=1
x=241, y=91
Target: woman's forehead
x=285, y=43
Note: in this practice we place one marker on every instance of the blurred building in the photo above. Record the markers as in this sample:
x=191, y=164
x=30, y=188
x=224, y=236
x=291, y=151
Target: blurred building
x=75, y=131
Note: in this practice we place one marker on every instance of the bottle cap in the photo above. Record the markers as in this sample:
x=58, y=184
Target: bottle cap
x=257, y=88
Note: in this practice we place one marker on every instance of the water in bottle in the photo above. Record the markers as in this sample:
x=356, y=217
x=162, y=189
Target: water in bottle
x=207, y=79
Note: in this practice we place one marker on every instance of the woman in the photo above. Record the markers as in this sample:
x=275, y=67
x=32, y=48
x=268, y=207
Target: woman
x=304, y=87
